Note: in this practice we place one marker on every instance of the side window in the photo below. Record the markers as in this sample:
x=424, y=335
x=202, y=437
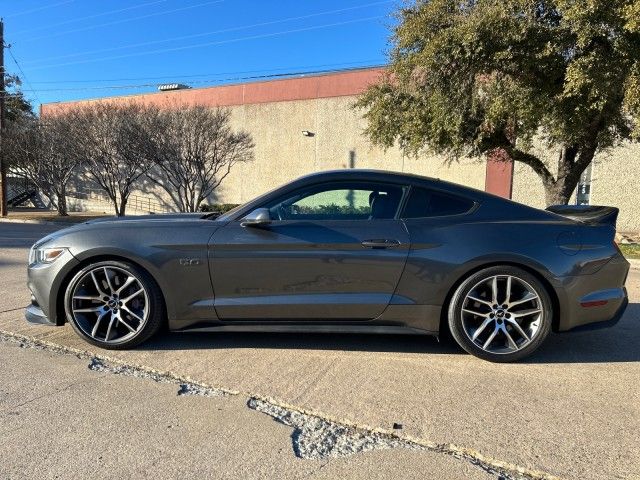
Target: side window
x=424, y=203
x=340, y=201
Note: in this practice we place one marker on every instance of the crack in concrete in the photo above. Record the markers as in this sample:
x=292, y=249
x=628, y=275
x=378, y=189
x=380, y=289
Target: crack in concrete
x=112, y=365
x=12, y=309
x=315, y=435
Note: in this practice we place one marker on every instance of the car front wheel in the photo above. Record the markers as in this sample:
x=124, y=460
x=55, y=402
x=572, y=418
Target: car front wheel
x=114, y=304
x=500, y=314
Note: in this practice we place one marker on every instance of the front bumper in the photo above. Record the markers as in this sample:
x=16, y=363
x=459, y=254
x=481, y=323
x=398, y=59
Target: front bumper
x=45, y=281
x=34, y=314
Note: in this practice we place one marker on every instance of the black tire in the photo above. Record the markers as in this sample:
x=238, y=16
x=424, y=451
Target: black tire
x=153, y=299
x=464, y=339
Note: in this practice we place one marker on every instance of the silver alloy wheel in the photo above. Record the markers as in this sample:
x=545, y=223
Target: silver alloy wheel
x=110, y=304
x=502, y=314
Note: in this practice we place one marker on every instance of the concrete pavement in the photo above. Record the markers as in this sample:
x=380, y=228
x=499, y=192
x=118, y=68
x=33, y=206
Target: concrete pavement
x=572, y=410
x=58, y=419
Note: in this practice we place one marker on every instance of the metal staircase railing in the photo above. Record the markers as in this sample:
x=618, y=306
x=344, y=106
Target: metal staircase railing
x=135, y=202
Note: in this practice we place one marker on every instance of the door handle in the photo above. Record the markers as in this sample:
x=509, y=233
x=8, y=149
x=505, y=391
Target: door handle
x=381, y=243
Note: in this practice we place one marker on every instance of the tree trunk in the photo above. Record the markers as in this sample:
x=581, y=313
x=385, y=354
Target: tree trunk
x=123, y=206
x=559, y=193
x=62, y=205
x=571, y=164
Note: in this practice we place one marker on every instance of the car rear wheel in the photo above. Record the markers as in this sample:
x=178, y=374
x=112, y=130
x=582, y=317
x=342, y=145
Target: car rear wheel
x=500, y=314
x=114, y=305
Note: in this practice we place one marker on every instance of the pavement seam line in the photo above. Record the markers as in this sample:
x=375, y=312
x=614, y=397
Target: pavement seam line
x=474, y=456
x=169, y=377
x=13, y=309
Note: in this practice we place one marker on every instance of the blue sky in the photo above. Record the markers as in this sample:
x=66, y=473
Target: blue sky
x=69, y=48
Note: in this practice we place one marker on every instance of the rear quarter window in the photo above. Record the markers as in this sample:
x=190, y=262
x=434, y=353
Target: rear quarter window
x=426, y=203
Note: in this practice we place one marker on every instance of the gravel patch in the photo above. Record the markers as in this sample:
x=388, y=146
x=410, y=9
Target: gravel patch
x=316, y=438
x=185, y=388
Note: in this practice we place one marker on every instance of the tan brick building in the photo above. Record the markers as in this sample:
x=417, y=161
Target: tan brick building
x=277, y=112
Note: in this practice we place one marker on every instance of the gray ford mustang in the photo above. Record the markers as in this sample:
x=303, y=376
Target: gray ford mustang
x=343, y=251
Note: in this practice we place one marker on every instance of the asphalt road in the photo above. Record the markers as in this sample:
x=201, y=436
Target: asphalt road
x=571, y=410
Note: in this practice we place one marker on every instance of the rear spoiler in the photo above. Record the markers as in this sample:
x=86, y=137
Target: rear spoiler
x=589, y=214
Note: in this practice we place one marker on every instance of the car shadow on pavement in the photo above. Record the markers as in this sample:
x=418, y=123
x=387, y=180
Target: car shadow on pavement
x=616, y=344
x=297, y=341
x=620, y=343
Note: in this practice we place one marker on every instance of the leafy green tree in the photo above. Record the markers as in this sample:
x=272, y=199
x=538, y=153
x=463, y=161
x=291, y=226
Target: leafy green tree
x=484, y=77
x=16, y=106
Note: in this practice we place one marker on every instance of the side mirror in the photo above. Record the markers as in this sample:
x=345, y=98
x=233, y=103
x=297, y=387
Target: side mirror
x=258, y=218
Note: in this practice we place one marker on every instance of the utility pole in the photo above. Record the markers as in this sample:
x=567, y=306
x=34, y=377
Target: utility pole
x=3, y=164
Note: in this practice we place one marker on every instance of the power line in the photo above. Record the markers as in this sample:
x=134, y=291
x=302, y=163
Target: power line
x=89, y=17
x=244, y=72
x=210, y=81
x=23, y=74
x=44, y=7
x=208, y=44
x=214, y=32
x=117, y=22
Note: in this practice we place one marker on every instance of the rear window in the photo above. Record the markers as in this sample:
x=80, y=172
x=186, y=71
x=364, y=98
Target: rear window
x=425, y=203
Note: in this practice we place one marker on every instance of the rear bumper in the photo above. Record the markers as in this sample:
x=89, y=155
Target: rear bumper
x=594, y=301
x=604, y=323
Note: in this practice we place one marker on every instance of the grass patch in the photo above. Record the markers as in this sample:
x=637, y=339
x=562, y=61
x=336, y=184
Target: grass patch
x=630, y=250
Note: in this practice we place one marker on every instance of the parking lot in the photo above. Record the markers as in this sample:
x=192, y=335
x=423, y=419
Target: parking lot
x=572, y=410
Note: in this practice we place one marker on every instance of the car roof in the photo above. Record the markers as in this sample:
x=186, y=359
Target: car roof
x=493, y=202
x=367, y=174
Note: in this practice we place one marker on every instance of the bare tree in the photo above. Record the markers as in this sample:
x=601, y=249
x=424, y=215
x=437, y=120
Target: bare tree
x=196, y=150
x=46, y=153
x=119, y=146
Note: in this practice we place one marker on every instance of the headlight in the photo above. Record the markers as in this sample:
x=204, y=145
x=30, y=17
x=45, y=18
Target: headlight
x=44, y=255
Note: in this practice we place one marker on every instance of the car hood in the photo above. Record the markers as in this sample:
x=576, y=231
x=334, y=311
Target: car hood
x=130, y=222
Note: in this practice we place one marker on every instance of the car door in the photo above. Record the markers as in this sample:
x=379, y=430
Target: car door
x=332, y=251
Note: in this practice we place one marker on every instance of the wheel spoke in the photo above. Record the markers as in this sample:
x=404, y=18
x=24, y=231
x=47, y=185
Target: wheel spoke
x=479, y=300
x=114, y=317
x=121, y=320
x=527, y=298
x=88, y=310
x=126, y=283
x=512, y=344
x=134, y=294
x=95, y=282
x=517, y=326
x=491, y=337
x=508, y=292
x=524, y=313
x=106, y=274
x=87, y=297
x=473, y=312
x=97, y=324
x=494, y=290
x=130, y=312
x=481, y=328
